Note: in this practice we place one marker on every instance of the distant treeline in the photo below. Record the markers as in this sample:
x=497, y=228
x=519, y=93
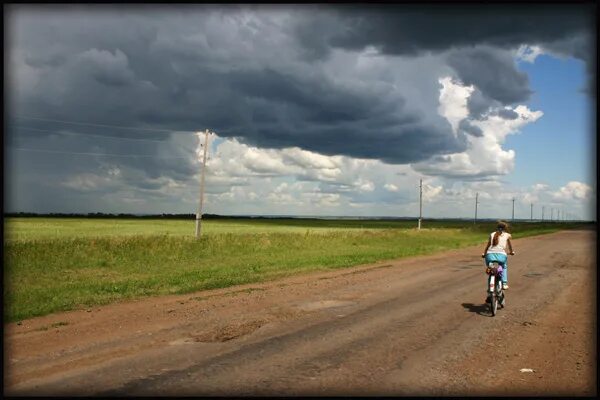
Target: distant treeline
x=108, y=215
x=138, y=216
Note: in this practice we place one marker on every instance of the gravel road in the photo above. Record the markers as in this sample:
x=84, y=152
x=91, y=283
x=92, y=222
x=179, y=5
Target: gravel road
x=414, y=326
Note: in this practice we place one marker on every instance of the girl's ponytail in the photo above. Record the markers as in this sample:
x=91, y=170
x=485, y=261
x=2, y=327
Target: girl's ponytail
x=496, y=238
x=502, y=226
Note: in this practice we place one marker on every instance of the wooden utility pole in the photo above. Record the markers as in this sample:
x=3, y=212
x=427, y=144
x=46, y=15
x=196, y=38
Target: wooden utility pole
x=543, y=207
x=531, y=218
x=420, y=203
x=201, y=200
x=476, y=202
x=513, y=210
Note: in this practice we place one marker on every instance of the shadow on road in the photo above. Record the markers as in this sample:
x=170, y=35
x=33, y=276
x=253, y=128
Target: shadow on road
x=481, y=309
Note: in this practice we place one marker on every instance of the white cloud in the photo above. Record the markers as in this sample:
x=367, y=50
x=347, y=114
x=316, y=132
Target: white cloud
x=484, y=155
x=365, y=186
x=431, y=192
x=528, y=53
x=308, y=159
x=390, y=187
x=242, y=179
x=115, y=171
x=453, y=101
x=573, y=191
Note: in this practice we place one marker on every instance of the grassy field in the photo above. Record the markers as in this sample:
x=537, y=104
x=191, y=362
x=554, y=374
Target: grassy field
x=62, y=264
x=61, y=228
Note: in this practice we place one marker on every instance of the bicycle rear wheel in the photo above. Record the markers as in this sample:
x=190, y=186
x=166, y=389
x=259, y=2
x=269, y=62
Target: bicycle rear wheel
x=494, y=304
x=501, y=297
x=499, y=292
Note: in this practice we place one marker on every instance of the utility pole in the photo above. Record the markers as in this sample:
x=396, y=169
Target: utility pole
x=543, y=207
x=558, y=215
x=513, y=210
x=201, y=201
x=476, y=202
x=551, y=214
x=420, y=202
x=531, y=218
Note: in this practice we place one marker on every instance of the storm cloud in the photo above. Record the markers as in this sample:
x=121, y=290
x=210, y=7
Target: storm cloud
x=411, y=29
x=347, y=80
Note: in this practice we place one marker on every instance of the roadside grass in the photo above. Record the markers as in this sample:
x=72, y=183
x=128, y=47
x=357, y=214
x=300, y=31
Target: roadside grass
x=68, y=269
x=58, y=228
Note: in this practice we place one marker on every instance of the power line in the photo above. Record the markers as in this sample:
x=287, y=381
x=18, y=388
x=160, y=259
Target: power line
x=90, y=154
x=87, y=134
x=101, y=125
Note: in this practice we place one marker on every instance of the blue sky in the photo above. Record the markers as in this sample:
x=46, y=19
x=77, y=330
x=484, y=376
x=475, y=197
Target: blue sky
x=559, y=146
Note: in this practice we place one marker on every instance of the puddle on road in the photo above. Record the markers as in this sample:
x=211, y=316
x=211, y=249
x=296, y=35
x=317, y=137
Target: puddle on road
x=181, y=341
x=221, y=334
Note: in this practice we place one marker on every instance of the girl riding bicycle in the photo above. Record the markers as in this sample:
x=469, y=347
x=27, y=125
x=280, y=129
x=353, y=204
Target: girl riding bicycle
x=495, y=250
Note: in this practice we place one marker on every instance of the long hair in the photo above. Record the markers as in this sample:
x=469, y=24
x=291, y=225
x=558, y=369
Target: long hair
x=501, y=227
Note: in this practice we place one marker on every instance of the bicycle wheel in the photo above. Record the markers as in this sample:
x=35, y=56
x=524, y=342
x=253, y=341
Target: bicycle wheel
x=501, y=296
x=494, y=304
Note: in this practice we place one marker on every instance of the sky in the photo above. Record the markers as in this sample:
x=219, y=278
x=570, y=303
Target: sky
x=333, y=110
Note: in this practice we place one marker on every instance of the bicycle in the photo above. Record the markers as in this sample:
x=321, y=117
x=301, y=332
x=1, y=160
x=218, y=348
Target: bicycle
x=495, y=291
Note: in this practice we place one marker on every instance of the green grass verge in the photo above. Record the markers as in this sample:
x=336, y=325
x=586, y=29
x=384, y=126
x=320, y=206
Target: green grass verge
x=56, y=265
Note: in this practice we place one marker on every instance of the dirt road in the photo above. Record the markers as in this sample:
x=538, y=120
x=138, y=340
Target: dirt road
x=416, y=326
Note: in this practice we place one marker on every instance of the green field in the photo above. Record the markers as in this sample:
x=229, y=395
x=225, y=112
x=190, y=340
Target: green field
x=53, y=264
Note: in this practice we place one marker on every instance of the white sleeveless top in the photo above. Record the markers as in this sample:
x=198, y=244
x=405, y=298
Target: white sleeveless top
x=501, y=246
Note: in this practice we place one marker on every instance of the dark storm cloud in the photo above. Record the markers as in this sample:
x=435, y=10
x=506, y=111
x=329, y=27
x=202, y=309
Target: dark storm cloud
x=471, y=129
x=508, y=114
x=177, y=78
x=479, y=104
x=414, y=29
x=492, y=72
x=124, y=68
x=260, y=74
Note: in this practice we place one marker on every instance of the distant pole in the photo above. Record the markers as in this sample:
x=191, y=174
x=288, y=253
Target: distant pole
x=420, y=202
x=558, y=215
x=201, y=201
x=551, y=214
x=531, y=218
x=543, y=207
x=513, y=210
x=476, y=201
